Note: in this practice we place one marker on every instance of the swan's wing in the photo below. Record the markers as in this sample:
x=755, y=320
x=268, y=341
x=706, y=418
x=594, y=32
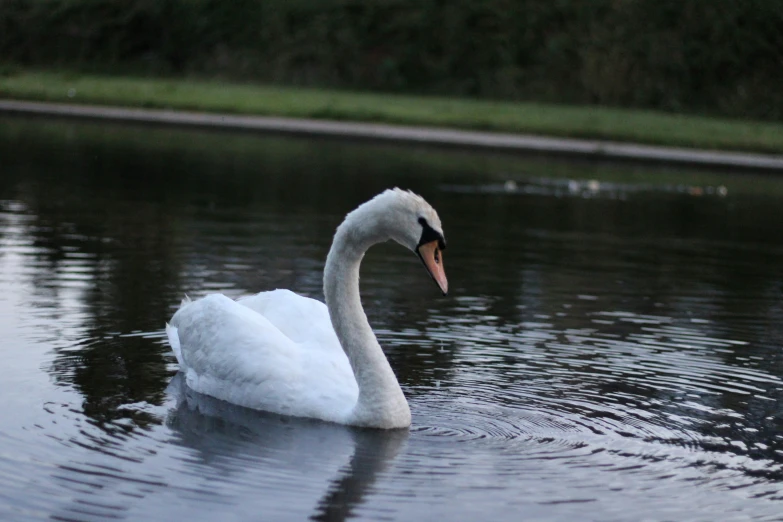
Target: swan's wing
x=303, y=320
x=233, y=353
x=222, y=342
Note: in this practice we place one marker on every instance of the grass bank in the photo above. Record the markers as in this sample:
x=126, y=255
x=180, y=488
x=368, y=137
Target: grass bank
x=530, y=118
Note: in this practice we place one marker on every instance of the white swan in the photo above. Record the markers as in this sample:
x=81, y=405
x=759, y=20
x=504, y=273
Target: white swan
x=280, y=352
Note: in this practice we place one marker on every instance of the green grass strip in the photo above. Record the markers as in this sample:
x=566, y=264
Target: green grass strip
x=530, y=118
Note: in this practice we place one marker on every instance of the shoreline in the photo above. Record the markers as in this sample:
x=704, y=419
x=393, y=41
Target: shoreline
x=435, y=136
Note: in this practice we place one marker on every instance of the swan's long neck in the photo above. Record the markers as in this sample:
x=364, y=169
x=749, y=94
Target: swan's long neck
x=381, y=401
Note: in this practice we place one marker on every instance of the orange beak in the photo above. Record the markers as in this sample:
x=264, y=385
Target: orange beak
x=432, y=257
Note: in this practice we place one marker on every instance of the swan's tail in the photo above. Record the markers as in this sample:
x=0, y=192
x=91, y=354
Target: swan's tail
x=171, y=332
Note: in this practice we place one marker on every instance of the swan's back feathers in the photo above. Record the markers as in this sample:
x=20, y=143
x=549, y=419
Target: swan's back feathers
x=301, y=319
x=231, y=351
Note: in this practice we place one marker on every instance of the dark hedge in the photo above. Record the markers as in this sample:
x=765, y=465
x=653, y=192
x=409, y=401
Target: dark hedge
x=708, y=56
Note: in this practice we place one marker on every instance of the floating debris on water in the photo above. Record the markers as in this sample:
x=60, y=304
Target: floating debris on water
x=585, y=188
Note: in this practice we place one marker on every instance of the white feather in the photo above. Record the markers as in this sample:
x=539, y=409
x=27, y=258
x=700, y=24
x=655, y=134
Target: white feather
x=171, y=333
x=290, y=362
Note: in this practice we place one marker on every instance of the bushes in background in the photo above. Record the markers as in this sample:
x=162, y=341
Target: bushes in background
x=718, y=56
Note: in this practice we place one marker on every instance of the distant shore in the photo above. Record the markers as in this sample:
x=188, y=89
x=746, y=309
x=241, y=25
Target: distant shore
x=583, y=131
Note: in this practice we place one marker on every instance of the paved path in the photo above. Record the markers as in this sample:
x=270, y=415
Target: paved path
x=398, y=133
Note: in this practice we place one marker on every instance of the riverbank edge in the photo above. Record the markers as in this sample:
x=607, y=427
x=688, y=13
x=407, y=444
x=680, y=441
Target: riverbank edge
x=507, y=142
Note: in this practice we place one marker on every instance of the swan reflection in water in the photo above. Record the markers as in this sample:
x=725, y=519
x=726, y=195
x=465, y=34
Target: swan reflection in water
x=227, y=437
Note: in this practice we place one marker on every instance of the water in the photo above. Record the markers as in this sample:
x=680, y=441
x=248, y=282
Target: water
x=610, y=349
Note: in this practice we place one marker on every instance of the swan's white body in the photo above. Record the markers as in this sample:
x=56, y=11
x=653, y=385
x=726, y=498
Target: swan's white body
x=281, y=352
x=275, y=351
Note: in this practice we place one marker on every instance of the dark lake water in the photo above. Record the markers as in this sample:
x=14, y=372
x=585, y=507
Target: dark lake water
x=610, y=349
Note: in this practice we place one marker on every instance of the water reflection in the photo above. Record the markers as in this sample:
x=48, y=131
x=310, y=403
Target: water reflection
x=617, y=347
x=353, y=457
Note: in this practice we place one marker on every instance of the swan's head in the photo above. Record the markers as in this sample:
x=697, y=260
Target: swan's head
x=410, y=221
